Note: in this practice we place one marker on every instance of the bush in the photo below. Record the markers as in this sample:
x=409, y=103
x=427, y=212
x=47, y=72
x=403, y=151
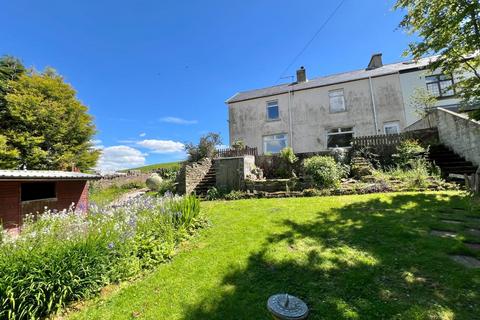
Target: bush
x=287, y=159
x=154, y=182
x=324, y=171
x=408, y=151
x=206, y=147
x=64, y=256
x=168, y=173
x=167, y=186
x=234, y=195
x=213, y=194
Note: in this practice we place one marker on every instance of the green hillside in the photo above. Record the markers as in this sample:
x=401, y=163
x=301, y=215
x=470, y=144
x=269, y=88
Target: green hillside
x=157, y=166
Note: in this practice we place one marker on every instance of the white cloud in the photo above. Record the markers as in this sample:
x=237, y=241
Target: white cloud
x=143, y=134
x=120, y=157
x=162, y=146
x=97, y=144
x=176, y=120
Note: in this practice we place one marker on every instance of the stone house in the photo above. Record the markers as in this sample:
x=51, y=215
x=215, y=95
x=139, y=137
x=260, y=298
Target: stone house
x=325, y=112
x=29, y=191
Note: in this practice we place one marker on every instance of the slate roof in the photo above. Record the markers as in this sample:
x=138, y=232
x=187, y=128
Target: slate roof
x=45, y=175
x=332, y=79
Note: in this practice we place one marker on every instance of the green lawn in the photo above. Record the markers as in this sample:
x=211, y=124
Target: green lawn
x=348, y=257
x=157, y=166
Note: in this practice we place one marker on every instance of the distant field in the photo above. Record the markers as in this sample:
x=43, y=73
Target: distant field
x=158, y=166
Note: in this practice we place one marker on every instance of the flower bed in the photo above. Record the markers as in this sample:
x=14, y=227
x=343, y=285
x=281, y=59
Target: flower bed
x=66, y=256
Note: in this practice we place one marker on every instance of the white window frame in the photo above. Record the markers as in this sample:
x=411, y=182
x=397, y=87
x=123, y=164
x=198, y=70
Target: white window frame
x=271, y=104
x=264, y=141
x=327, y=134
x=335, y=94
x=392, y=124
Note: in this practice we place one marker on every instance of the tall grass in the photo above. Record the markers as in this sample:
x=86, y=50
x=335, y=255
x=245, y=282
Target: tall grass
x=65, y=256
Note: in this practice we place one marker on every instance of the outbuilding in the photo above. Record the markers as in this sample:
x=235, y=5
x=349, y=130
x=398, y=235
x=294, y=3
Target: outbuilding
x=30, y=191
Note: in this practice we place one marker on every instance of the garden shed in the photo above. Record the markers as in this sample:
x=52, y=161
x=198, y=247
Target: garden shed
x=30, y=191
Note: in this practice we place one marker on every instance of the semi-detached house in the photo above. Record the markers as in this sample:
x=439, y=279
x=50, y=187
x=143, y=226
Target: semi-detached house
x=325, y=112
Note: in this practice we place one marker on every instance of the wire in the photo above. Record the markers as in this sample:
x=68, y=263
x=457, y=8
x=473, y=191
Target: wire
x=311, y=39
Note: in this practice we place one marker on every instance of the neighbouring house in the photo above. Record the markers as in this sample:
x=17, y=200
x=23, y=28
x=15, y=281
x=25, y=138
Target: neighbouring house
x=326, y=112
x=29, y=191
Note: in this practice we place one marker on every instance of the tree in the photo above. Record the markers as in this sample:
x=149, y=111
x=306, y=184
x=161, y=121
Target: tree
x=206, y=147
x=43, y=124
x=451, y=30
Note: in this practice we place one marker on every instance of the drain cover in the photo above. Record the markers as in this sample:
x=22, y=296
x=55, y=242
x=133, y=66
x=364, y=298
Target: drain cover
x=287, y=307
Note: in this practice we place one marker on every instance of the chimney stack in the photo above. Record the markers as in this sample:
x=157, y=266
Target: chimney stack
x=375, y=61
x=301, y=75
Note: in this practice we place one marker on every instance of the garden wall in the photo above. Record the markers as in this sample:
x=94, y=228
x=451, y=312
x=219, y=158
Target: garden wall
x=231, y=172
x=191, y=174
x=274, y=185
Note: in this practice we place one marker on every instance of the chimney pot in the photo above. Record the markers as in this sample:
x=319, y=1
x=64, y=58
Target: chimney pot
x=375, y=61
x=301, y=75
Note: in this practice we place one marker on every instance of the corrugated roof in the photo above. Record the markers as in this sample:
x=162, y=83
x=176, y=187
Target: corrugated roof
x=45, y=174
x=331, y=79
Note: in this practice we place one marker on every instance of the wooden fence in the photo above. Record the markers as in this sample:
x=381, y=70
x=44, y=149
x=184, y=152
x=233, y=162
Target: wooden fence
x=393, y=139
x=230, y=152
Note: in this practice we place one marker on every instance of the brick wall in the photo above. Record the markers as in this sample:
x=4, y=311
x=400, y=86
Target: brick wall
x=10, y=203
x=11, y=209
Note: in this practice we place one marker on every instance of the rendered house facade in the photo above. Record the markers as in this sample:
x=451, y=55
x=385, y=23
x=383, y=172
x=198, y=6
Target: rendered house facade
x=318, y=114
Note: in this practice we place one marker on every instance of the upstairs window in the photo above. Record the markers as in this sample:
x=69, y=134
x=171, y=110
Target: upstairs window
x=337, y=101
x=38, y=191
x=274, y=143
x=272, y=110
x=339, y=137
x=440, y=85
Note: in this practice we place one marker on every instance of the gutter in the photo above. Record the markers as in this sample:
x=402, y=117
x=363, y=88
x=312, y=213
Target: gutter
x=373, y=104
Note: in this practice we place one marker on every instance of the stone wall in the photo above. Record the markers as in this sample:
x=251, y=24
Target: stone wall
x=191, y=174
x=231, y=172
x=455, y=131
x=274, y=185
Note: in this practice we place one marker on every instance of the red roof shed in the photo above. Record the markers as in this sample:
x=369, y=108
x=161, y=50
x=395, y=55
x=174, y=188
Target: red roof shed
x=30, y=191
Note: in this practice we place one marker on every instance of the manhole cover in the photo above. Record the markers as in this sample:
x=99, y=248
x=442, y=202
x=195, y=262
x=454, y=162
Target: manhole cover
x=287, y=307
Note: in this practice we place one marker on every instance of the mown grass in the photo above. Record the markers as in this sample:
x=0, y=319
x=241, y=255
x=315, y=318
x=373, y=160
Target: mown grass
x=348, y=257
x=152, y=167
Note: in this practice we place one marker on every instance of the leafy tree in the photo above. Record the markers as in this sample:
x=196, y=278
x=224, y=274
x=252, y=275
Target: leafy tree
x=206, y=147
x=451, y=30
x=43, y=124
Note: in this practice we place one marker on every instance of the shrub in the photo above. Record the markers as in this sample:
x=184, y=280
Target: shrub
x=206, y=147
x=408, y=151
x=167, y=186
x=154, y=182
x=324, y=171
x=64, y=256
x=213, y=194
x=234, y=195
x=168, y=173
x=287, y=159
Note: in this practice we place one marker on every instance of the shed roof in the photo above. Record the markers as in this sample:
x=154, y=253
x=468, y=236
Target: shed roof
x=45, y=175
x=332, y=79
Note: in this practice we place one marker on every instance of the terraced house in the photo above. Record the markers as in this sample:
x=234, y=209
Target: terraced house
x=325, y=112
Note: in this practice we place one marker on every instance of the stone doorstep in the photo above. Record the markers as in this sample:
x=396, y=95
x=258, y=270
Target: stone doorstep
x=466, y=261
x=475, y=232
x=472, y=245
x=451, y=221
x=443, y=233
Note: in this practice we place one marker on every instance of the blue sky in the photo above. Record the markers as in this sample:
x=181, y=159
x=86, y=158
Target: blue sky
x=155, y=74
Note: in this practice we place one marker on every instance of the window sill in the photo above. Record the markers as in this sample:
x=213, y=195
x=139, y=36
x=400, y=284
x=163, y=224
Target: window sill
x=335, y=112
x=38, y=200
x=273, y=120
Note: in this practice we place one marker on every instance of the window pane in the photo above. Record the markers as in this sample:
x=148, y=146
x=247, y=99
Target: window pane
x=430, y=79
x=339, y=140
x=272, y=112
x=446, y=87
x=391, y=129
x=337, y=101
x=433, y=89
x=274, y=143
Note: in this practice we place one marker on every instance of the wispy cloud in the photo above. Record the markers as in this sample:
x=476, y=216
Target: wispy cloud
x=143, y=134
x=176, y=120
x=162, y=146
x=120, y=157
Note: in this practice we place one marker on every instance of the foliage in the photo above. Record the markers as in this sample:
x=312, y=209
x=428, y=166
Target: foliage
x=340, y=155
x=408, y=151
x=153, y=182
x=285, y=167
x=43, y=124
x=349, y=257
x=422, y=101
x=168, y=173
x=213, y=194
x=450, y=29
x=167, y=186
x=206, y=147
x=234, y=195
x=66, y=256
x=238, y=145
x=324, y=171
x=156, y=167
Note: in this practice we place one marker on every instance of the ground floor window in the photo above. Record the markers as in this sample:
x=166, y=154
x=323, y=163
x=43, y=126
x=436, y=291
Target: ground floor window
x=392, y=127
x=38, y=191
x=339, y=137
x=275, y=143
